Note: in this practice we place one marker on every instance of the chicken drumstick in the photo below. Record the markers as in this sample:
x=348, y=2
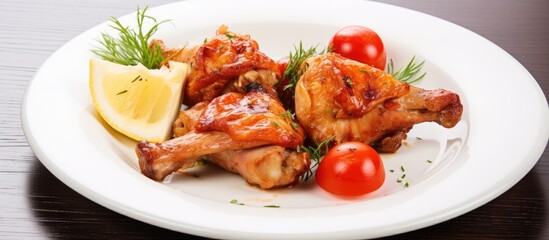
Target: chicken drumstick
x=355, y=102
x=249, y=134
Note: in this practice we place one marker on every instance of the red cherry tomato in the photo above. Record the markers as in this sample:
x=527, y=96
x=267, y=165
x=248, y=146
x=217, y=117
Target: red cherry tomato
x=351, y=169
x=360, y=44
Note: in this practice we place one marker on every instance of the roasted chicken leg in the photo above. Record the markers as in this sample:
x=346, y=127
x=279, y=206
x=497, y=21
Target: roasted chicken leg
x=267, y=166
x=355, y=102
x=248, y=134
x=226, y=62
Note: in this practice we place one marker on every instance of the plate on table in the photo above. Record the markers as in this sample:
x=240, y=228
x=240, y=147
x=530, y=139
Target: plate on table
x=449, y=171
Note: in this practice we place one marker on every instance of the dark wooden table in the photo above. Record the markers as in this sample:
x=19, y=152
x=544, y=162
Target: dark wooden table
x=34, y=204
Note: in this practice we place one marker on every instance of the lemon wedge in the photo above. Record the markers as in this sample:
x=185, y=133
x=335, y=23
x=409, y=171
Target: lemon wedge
x=138, y=102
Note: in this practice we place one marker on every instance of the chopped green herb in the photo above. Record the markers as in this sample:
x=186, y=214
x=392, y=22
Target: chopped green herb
x=271, y=206
x=230, y=36
x=234, y=201
x=295, y=126
x=418, y=138
x=399, y=180
x=135, y=79
x=429, y=161
x=205, y=40
x=402, y=168
x=391, y=170
x=406, y=185
x=287, y=114
x=275, y=124
x=122, y=92
x=403, y=176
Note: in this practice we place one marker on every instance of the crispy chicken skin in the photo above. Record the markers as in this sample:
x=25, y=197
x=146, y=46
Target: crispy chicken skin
x=268, y=166
x=184, y=54
x=225, y=62
x=248, y=134
x=256, y=116
x=355, y=102
x=253, y=117
x=158, y=160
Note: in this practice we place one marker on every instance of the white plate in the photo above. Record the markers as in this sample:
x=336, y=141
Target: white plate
x=502, y=135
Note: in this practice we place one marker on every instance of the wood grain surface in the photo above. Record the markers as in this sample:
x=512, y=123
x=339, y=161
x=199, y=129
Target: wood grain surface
x=35, y=205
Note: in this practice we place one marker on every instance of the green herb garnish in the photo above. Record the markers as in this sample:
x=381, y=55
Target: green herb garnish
x=316, y=153
x=230, y=37
x=135, y=79
x=234, y=201
x=407, y=73
x=287, y=114
x=293, y=72
x=271, y=206
x=131, y=47
x=122, y=92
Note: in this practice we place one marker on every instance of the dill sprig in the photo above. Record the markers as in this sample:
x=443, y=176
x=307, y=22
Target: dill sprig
x=293, y=72
x=130, y=47
x=316, y=154
x=407, y=73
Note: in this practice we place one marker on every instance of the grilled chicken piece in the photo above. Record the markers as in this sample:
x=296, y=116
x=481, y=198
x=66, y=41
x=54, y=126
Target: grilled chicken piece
x=226, y=62
x=184, y=54
x=158, y=160
x=228, y=132
x=267, y=167
x=355, y=102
